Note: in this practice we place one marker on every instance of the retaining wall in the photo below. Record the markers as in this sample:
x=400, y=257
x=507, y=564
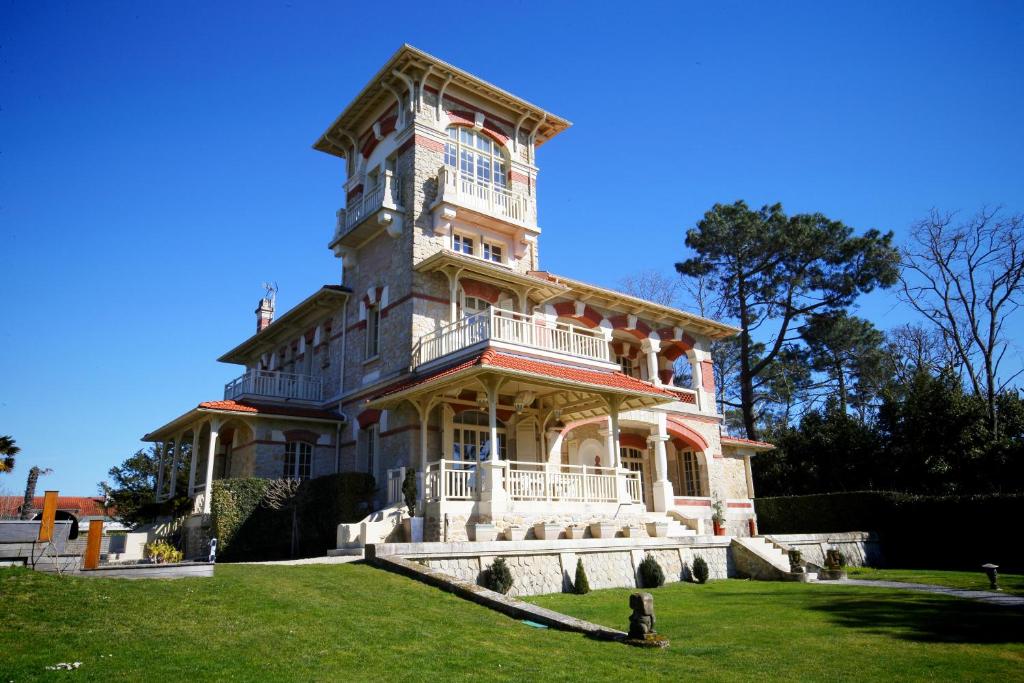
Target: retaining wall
x=861, y=548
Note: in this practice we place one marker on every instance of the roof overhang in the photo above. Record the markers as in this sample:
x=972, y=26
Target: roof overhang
x=282, y=330
x=585, y=398
x=201, y=412
x=624, y=303
x=746, y=446
x=453, y=264
x=416, y=64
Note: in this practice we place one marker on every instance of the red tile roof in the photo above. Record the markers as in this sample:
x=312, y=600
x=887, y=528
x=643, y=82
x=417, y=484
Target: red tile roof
x=746, y=442
x=495, y=359
x=80, y=506
x=268, y=409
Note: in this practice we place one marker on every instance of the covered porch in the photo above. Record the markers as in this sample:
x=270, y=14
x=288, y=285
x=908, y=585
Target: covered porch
x=500, y=420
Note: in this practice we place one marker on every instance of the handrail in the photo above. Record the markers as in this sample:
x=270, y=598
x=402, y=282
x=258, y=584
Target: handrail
x=273, y=383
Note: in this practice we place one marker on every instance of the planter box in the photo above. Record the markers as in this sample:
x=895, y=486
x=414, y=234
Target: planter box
x=634, y=532
x=575, y=532
x=603, y=530
x=657, y=529
x=547, y=532
x=516, y=532
x=719, y=528
x=484, y=533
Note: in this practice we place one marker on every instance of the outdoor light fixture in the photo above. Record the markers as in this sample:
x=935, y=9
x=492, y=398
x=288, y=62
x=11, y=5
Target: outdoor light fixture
x=522, y=399
x=992, y=571
x=481, y=400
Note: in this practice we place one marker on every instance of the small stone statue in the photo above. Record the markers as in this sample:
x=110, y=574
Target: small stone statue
x=992, y=572
x=796, y=562
x=641, y=622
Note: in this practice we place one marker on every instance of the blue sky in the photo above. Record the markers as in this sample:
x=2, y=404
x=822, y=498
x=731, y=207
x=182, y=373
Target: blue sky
x=155, y=162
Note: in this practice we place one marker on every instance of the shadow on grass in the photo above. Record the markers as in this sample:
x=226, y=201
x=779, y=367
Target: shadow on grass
x=929, y=619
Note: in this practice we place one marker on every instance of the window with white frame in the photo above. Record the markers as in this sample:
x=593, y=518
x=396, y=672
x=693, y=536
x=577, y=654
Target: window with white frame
x=372, y=331
x=471, y=305
x=476, y=156
x=492, y=252
x=471, y=438
x=628, y=366
x=371, y=438
x=298, y=460
x=462, y=244
x=633, y=460
x=690, y=473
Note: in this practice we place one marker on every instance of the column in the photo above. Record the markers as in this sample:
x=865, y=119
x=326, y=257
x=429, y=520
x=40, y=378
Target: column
x=650, y=347
x=661, y=488
x=174, y=465
x=424, y=412
x=161, y=451
x=554, y=446
x=493, y=496
x=194, y=458
x=615, y=448
x=211, y=454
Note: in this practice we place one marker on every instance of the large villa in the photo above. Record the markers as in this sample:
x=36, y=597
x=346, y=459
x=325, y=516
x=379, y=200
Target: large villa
x=517, y=395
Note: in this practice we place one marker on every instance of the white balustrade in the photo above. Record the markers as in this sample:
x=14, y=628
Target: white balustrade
x=395, y=479
x=275, y=385
x=634, y=487
x=502, y=325
x=452, y=480
x=385, y=194
x=486, y=197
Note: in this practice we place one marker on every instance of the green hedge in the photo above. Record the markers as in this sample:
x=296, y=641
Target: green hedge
x=247, y=530
x=940, y=532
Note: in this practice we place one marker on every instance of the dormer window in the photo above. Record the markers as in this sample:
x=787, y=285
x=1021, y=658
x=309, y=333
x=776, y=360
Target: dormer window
x=462, y=244
x=476, y=157
x=492, y=252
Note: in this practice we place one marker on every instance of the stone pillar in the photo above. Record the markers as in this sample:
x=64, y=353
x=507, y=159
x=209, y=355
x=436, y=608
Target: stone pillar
x=609, y=459
x=650, y=347
x=493, y=496
x=661, y=487
x=424, y=412
x=700, y=363
x=554, y=444
x=211, y=453
x=194, y=457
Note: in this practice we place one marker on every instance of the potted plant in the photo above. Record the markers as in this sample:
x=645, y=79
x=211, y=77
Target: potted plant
x=515, y=532
x=547, y=531
x=634, y=531
x=575, y=531
x=718, y=517
x=413, y=525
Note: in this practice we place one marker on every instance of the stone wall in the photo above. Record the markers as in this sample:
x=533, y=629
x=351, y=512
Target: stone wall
x=540, y=567
x=860, y=548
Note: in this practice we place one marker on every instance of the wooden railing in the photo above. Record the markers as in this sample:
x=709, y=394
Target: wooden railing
x=275, y=385
x=452, y=480
x=395, y=479
x=569, y=483
x=634, y=487
x=467, y=190
x=502, y=325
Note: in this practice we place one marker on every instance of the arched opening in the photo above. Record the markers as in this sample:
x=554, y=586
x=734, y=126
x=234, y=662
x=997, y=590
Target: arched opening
x=477, y=158
x=471, y=438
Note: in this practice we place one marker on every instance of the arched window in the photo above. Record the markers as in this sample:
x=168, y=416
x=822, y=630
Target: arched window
x=471, y=438
x=633, y=460
x=476, y=157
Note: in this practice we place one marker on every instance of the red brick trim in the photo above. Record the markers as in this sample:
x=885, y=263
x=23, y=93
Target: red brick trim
x=456, y=100
x=693, y=502
x=567, y=309
x=707, y=375
x=517, y=177
x=370, y=416
x=688, y=435
x=301, y=435
x=482, y=290
x=632, y=441
x=428, y=143
x=467, y=119
x=409, y=428
x=738, y=505
x=620, y=322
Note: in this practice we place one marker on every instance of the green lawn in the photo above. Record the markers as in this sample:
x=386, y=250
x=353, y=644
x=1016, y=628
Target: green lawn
x=353, y=622
x=1012, y=584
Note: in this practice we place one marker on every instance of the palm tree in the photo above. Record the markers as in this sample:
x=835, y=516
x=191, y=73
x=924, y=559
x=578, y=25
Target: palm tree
x=30, y=490
x=8, y=449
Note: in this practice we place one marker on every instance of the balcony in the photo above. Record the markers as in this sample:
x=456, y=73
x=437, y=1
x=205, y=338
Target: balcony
x=456, y=190
x=498, y=326
x=378, y=206
x=280, y=386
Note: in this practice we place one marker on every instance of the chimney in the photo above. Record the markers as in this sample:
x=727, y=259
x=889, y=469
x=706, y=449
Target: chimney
x=264, y=313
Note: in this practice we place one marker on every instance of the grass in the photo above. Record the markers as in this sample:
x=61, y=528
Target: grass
x=1012, y=584
x=354, y=622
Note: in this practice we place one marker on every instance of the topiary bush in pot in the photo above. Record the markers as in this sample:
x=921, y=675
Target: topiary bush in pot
x=700, y=569
x=498, y=577
x=581, y=586
x=651, y=575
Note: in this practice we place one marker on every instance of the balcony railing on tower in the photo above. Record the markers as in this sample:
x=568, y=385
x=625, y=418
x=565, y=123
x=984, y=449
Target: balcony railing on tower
x=276, y=385
x=518, y=329
x=385, y=194
x=465, y=190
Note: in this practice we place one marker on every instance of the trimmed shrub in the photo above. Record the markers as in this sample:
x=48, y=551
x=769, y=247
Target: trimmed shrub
x=233, y=503
x=161, y=552
x=913, y=531
x=700, y=569
x=651, y=575
x=498, y=577
x=581, y=586
x=409, y=491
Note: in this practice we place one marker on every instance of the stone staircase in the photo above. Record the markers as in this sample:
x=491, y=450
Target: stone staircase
x=376, y=527
x=759, y=558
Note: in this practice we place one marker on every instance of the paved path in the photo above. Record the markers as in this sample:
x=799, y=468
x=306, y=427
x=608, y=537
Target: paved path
x=990, y=597
x=340, y=559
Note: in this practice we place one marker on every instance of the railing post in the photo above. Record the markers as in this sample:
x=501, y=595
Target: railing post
x=441, y=479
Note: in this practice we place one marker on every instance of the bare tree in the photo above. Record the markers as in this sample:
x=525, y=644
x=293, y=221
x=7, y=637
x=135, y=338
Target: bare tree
x=914, y=347
x=967, y=279
x=652, y=285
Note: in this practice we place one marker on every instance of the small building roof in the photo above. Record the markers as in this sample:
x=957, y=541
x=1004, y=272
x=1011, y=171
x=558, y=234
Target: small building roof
x=420, y=66
x=756, y=446
x=284, y=328
x=79, y=506
x=248, y=408
x=609, y=298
